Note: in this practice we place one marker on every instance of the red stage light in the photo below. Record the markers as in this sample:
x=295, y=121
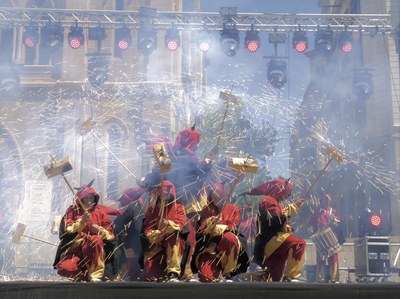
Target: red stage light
x=375, y=220
x=75, y=43
x=123, y=44
x=204, y=46
x=29, y=42
x=172, y=45
x=75, y=37
x=347, y=47
x=253, y=46
x=301, y=46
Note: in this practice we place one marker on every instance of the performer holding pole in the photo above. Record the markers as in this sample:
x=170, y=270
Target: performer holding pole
x=220, y=249
x=275, y=245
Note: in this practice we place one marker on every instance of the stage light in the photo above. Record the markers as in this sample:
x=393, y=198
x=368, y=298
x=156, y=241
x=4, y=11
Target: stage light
x=252, y=40
x=75, y=37
x=324, y=42
x=52, y=37
x=172, y=39
x=122, y=40
x=229, y=40
x=277, y=73
x=97, y=70
x=372, y=222
x=204, y=40
x=147, y=39
x=30, y=37
x=346, y=41
x=300, y=41
x=363, y=84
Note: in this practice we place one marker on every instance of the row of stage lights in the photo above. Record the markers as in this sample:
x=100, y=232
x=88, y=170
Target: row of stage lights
x=325, y=40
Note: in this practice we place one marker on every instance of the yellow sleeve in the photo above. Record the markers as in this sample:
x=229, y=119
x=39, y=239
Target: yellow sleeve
x=218, y=230
x=292, y=209
x=76, y=227
x=153, y=235
x=171, y=227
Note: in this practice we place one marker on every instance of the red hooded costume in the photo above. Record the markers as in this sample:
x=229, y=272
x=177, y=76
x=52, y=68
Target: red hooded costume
x=275, y=245
x=84, y=257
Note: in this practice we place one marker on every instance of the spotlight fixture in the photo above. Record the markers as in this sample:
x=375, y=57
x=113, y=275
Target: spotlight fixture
x=75, y=37
x=371, y=222
x=30, y=37
x=172, y=39
x=300, y=41
x=252, y=40
x=277, y=73
x=122, y=40
x=97, y=70
x=147, y=39
x=363, y=84
x=346, y=41
x=204, y=40
x=229, y=40
x=52, y=37
x=324, y=42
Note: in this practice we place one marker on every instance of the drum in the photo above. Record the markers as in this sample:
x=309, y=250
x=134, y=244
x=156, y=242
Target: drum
x=326, y=243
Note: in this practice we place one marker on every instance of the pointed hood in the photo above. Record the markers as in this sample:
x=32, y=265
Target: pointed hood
x=279, y=189
x=188, y=139
x=85, y=190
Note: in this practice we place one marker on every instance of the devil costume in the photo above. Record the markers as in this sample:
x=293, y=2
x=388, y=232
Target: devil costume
x=219, y=251
x=162, y=237
x=275, y=244
x=81, y=255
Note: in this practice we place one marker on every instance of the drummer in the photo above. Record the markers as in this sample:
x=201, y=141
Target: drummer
x=325, y=217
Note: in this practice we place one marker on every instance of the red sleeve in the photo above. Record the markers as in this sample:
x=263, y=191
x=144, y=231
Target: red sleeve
x=71, y=216
x=231, y=216
x=177, y=215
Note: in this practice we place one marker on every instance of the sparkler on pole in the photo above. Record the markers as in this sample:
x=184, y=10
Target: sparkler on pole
x=228, y=97
x=334, y=154
x=164, y=162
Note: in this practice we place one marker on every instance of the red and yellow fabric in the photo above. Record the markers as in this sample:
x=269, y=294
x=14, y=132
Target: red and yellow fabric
x=166, y=247
x=220, y=255
x=275, y=245
x=85, y=258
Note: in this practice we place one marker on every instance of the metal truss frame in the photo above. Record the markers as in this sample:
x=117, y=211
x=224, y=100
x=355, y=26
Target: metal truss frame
x=186, y=21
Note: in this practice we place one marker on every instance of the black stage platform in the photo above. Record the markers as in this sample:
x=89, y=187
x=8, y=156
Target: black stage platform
x=242, y=290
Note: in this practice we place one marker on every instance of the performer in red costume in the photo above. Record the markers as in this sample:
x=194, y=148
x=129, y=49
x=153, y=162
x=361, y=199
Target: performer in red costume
x=219, y=252
x=83, y=255
x=163, y=241
x=188, y=175
x=323, y=217
x=276, y=245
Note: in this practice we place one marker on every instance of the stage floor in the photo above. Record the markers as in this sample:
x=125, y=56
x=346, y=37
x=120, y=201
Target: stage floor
x=231, y=290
